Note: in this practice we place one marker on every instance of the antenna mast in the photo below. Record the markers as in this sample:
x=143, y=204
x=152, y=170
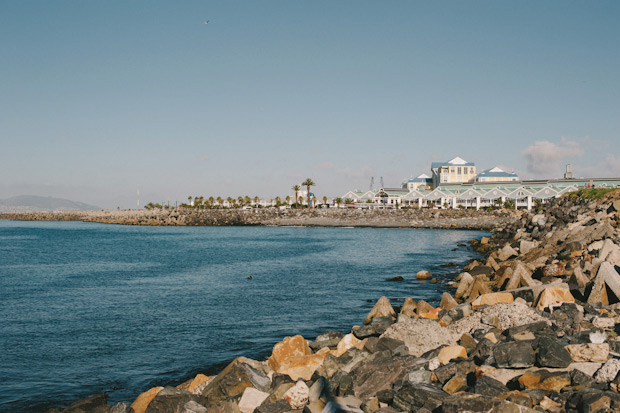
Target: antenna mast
x=372, y=182
x=382, y=185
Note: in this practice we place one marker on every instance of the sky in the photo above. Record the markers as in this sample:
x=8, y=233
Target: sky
x=101, y=98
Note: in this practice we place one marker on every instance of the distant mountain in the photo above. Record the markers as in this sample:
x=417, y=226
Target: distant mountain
x=33, y=203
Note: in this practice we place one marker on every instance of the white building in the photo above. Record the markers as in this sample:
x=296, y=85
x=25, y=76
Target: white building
x=454, y=171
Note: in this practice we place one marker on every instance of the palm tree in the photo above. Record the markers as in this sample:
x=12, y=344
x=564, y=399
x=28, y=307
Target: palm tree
x=230, y=200
x=220, y=201
x=189, y=201
x=308, y=183
x=211, y=200
x=256, y=199
x=288, y=200
x=240, y=199
x=278, y=201
x=296, y=188
x=325, y=200
x=338, y=201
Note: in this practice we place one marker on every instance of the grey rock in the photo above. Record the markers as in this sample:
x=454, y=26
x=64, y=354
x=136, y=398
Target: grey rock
x=412, y=397
x=172, y=400
x=551, y=353
x=608, y=371
x=516, y=354
x=419, y=376
x=488, y=386
x=329, y=339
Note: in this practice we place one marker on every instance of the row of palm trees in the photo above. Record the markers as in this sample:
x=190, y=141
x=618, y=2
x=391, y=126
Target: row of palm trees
x=201, y=202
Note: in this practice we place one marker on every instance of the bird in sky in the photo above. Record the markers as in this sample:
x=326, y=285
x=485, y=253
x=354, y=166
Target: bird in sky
x=206, y=21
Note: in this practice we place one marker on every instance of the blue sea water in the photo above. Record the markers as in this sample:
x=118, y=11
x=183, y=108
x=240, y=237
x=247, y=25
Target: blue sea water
x=88, y=308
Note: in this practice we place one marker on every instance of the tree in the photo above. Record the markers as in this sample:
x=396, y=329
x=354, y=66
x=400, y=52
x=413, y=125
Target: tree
x=288, y=199
x=211, y=201
x=308, y=183
x=230, y=201
x=338, y=201
x=325, y=200
x=256, y=199
x=296, y=188
x=278, y=201
x=189, y=199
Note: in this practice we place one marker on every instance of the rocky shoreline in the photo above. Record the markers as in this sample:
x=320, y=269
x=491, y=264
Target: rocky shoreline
x=412, y=218
x=531, y=327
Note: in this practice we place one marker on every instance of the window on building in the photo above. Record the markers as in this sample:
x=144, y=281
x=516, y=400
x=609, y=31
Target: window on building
x=458, y=170
x=471, y=171
x=451, y=170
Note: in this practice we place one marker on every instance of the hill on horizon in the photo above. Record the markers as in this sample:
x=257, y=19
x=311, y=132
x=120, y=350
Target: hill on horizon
x=34, y=203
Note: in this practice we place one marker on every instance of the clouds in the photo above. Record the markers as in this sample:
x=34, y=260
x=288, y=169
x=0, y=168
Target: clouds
x=545, y=158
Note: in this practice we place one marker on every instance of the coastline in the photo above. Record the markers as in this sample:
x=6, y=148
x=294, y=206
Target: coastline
x=412, y=218
x=532, y=326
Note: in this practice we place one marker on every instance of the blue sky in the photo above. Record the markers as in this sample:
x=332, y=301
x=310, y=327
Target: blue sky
x=100, y=98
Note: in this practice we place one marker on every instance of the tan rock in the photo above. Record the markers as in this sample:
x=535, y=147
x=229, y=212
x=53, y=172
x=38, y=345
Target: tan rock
x=409, y=308
x=479, y=287
x=552, y=296
x=451, y=352
x=544, y=380
x=142, y=401
x=423, y=275
x=251, y=399
x=521, y=277
x=424, y=307
x=382, y=308
x=491, y=337
x=457, y=383
x=492, y=299
x=292, y=356
x=606, y=276
x=199, y=382
x=589, y=352
x=347, y=342
x=431, y=314
x=548, y=404
x=580, y=278
x=502, y=375
x=506, y=252
x=298, y=395
x=447, y=302
x=493, y=264
x=467, y=281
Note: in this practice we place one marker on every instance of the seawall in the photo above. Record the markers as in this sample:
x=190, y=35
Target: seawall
x=413, y=218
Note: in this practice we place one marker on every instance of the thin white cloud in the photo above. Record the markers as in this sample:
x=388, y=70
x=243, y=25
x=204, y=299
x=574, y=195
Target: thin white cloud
x=545, y=158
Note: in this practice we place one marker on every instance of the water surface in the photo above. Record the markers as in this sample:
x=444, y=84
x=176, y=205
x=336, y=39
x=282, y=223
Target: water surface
x=89, y=307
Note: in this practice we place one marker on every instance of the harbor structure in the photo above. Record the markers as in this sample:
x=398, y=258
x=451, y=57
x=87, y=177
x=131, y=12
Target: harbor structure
x=455, y=184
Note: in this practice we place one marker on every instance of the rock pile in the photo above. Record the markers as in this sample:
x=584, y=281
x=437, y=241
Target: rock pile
x=411, y=218
x=531, y=327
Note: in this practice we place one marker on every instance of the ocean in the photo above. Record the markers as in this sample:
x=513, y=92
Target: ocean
x=88, y=308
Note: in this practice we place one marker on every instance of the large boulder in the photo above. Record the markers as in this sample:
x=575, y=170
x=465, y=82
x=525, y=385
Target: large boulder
x=420, y=335
x=596, y=352
x=492, y=299
x=607, y=281
x=233, y=380
x=380, y=371
x=293, y=356
x=554, y=296
x=142, y=401
x=172, y=400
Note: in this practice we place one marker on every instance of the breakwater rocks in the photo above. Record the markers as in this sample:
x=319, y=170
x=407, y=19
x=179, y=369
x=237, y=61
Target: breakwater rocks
x=531, y=327
x=412, y=218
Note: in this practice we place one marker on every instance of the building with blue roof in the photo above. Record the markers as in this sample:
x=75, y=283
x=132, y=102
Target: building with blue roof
x=496, y=175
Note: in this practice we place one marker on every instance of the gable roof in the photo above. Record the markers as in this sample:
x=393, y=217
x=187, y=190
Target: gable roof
x=497, y=173
x=453, y=162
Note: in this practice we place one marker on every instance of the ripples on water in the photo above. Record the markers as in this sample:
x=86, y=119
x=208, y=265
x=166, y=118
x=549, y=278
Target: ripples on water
x=87, y=307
